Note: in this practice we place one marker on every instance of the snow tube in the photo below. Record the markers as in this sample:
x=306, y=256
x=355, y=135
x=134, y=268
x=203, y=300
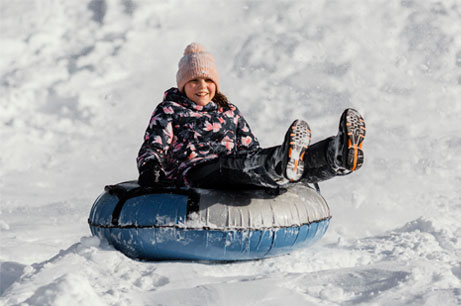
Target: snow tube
x=202, y=224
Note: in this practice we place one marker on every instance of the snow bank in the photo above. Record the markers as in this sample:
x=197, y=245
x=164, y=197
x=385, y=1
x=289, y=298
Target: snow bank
x=79, y=81
x=416, y=264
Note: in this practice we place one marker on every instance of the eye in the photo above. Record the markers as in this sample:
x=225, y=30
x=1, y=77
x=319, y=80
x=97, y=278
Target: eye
x=209, y=80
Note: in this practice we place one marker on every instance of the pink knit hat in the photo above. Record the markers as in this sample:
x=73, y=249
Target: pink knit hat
x=196, y=62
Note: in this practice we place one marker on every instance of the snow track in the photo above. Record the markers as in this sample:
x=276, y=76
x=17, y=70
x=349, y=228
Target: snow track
x=79, y=80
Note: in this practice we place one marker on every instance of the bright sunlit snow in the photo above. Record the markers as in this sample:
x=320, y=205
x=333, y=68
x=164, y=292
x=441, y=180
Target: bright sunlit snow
x=80, y=79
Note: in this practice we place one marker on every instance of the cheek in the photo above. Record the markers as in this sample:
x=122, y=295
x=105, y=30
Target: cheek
x=212, y=88
x=188, y=94
x=188, y=90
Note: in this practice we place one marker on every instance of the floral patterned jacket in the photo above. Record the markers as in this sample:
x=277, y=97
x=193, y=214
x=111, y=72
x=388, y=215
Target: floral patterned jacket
x=182, y=134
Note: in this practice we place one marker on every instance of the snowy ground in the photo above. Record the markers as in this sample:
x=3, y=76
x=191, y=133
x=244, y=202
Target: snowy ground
x=79, y=80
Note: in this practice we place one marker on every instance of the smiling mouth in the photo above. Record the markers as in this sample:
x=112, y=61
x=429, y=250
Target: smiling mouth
x=202, y=94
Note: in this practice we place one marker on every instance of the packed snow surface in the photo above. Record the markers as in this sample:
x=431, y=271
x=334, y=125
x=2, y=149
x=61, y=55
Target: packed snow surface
x=80, y=79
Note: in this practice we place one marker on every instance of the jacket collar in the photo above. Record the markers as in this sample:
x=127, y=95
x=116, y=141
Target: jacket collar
x=173, y=94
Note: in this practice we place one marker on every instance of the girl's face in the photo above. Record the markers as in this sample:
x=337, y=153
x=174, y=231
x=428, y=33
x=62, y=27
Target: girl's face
x=200, y=90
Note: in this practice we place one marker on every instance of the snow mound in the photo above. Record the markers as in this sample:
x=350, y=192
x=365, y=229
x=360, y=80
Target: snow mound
x=403, y=266
x=79, y=81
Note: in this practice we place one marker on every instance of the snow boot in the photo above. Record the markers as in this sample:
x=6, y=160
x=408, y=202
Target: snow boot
x=348, y=143
x=297, y=140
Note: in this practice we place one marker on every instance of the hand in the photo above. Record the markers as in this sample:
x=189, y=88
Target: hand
x=151, y=176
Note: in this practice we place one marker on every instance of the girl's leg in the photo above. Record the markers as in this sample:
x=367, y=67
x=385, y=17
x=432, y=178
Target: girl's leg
x=271, y=167
x=255, y=169
x=339, y=155
x=259, y=169
x=319, y=165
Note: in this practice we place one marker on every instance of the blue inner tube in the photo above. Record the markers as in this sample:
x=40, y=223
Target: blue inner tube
x=201, y=224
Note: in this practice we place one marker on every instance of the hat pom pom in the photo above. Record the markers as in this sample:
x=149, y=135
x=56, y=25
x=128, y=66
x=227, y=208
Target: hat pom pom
x=194, y=48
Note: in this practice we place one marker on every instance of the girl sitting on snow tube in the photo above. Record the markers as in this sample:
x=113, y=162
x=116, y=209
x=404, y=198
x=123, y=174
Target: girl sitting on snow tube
x=197, y=138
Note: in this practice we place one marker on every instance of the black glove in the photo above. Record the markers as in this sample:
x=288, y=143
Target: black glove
x=152, y=175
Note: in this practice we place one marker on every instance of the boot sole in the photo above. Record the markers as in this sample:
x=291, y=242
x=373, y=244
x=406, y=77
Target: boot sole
x=355, y=135
x=299, y=140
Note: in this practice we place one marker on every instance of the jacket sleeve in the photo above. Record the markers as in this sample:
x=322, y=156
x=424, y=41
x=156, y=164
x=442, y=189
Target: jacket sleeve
x=246, y=140
x=157, y=139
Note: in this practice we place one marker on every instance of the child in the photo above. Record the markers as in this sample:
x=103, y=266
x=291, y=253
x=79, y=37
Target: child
x=197, y=138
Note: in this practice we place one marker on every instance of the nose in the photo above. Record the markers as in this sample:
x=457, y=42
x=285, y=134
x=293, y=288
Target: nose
x=202, y=83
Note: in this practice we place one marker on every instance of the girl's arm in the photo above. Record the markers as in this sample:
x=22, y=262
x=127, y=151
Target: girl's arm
x=157, y=138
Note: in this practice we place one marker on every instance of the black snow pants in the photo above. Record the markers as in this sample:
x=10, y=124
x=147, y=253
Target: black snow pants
x=259, y=169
